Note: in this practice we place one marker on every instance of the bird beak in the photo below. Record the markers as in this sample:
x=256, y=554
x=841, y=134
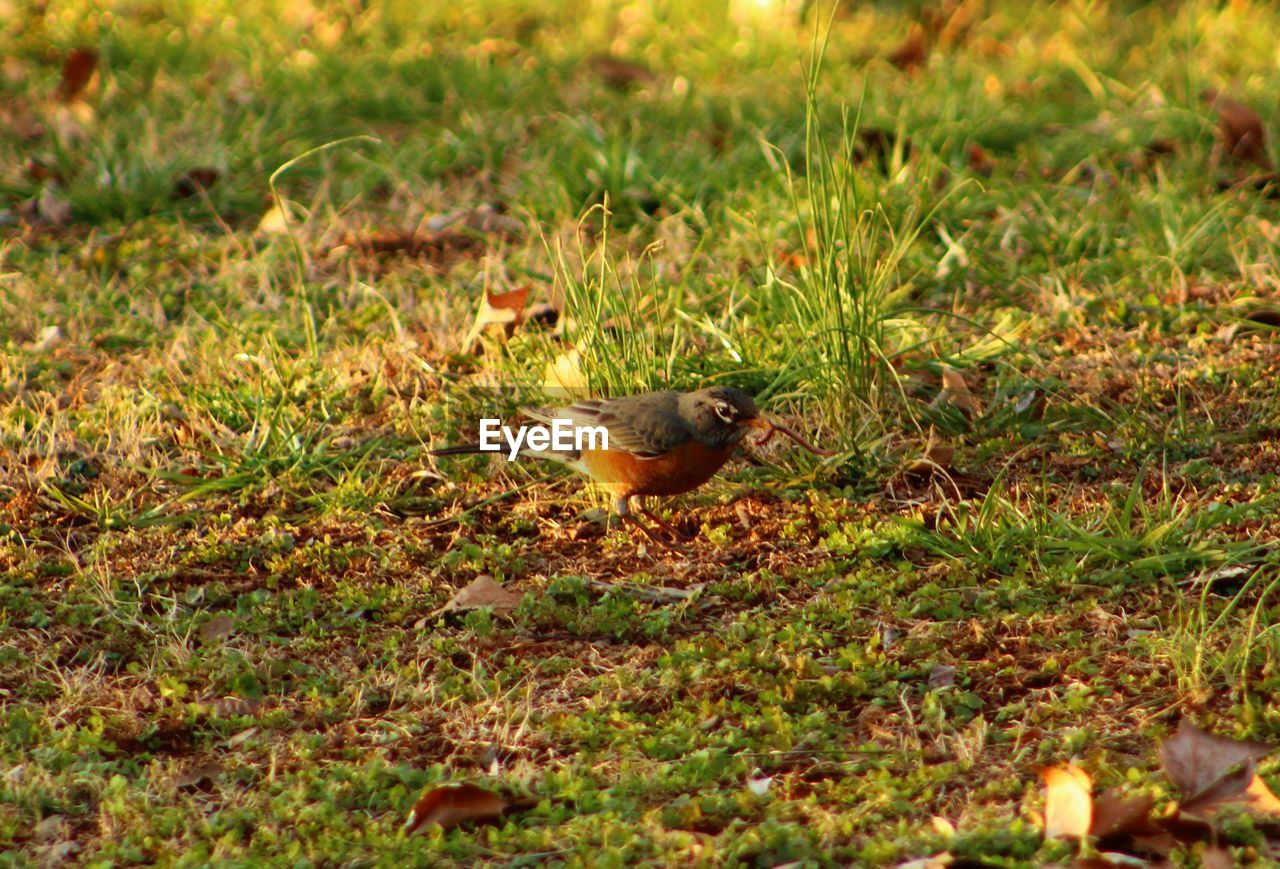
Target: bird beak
x=771, y=428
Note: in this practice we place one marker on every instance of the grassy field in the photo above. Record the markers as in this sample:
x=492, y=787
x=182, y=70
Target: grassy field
x=995, y=254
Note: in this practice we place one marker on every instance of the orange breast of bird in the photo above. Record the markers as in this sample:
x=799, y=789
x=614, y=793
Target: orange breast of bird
x=684, y=468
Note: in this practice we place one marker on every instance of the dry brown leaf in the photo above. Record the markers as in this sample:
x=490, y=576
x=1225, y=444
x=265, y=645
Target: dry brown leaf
x=1209, y=769
x=77, y=71
x=505, y=307
x=484, y=591
x=499, y=309
x=956, y=393
x=913, y=51
x=1068, y=806
x=453, y=805
x=1116, y=815
x=1243, y=136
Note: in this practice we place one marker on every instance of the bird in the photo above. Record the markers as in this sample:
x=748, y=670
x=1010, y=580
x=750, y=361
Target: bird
x=659, y=443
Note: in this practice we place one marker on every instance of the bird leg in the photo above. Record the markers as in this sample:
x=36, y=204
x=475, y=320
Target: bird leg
x=623, y=508
x=666, y=526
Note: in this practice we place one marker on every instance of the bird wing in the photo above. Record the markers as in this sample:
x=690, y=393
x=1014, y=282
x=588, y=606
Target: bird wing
x=646, y=426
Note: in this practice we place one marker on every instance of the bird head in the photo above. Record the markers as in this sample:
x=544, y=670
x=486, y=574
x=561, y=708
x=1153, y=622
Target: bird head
x=721, y=416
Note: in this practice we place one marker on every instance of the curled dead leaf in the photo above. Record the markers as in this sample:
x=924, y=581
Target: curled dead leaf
x=499, y=309
x=1208, y=769
x=1115, y=814
x=484, y=591
x=1068, y=803
x=453, y=805
x=955, y=392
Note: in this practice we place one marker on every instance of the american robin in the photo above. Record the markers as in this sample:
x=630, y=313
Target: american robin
x=659, y=443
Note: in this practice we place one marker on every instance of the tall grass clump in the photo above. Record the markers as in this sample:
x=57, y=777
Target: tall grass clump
x=840, y=305
x=621, y=323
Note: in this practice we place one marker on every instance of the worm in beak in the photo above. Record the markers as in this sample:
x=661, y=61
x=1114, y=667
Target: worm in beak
x=771, y=428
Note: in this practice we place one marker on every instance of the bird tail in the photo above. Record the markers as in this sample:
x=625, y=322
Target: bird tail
x=456, y=450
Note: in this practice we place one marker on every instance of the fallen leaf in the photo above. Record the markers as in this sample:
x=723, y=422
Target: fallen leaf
x=1241, y=130
x=453, y=805
x=1179, y=827
x=1114, y=815
x=1209, y=769
x=484, y=591
x=499, y=309
x=912, y=52
x=194, y=181
x=77, y=71
x=564, y=378
x=1068, y=806
x=942, y=676
x=955, y=392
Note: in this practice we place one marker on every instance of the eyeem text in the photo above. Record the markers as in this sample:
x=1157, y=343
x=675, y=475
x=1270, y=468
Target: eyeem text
x=561, y=436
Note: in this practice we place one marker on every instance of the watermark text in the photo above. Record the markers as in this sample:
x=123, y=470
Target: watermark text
x=560, y=436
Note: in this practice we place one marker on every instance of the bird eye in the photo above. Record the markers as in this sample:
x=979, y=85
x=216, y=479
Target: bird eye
x=724, y=411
